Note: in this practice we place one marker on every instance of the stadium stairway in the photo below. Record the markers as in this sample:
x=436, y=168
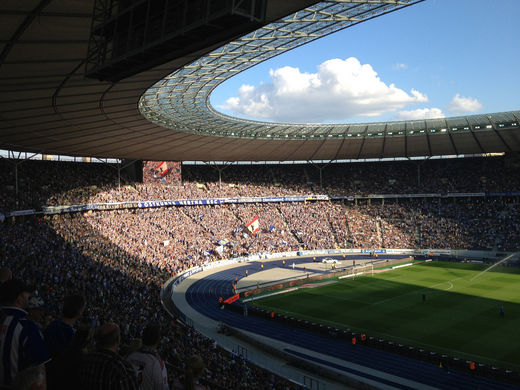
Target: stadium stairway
x=390, y=370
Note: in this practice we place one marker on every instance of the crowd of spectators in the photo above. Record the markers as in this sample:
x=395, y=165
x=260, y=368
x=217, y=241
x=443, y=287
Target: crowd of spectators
x=66, y=254
x=42, y=183
x=51, y=182
x=478, y=174
x=119, y=259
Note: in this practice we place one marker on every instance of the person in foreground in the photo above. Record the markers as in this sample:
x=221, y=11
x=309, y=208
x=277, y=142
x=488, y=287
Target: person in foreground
x=150, y=368
x=105, y=369
x=21, y=343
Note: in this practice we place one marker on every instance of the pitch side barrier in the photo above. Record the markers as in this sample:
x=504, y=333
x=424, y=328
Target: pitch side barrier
x=269, y=287
x=50, y=210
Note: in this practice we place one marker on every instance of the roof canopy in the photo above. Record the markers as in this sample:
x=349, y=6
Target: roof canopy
x=48, y=106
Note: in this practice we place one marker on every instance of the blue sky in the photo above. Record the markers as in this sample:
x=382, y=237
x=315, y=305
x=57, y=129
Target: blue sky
x=437, y=58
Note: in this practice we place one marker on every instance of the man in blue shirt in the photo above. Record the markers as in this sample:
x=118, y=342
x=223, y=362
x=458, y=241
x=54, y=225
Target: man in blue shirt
x=21, y=342
x=60, y=332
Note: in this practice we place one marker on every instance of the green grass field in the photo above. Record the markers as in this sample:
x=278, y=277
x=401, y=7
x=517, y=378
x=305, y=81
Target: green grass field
x=460, y=316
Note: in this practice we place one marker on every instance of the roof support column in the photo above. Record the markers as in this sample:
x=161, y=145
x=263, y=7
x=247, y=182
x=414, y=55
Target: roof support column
x=16, y=162
x=418, y=163
x=220, y=170
x=320, y=168
x=117, y=167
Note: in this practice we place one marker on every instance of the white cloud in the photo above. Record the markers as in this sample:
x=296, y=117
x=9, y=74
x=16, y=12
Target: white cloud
x=400, y=67
x=341, y=89
x=461, y=105
x=420, y=113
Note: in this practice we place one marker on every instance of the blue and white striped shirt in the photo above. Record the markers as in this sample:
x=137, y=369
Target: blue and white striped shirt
x=21, y=345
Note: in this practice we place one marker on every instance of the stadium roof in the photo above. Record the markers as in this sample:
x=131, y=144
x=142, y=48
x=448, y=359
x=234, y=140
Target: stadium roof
x=47, y=105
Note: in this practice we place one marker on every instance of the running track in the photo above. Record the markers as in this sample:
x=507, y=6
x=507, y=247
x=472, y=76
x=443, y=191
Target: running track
x=203, y=297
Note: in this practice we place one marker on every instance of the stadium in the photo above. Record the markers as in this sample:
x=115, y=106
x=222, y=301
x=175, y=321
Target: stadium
x=377, y=255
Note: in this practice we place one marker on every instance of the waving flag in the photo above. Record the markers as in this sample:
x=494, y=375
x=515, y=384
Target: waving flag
x=253, y=226
x=219, y=250
x=161, y=169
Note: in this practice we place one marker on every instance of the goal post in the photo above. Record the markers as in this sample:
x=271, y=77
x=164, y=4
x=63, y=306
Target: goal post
x=363, y=269
x=359, y=270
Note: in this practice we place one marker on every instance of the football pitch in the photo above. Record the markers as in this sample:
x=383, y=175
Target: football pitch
x=459, y=316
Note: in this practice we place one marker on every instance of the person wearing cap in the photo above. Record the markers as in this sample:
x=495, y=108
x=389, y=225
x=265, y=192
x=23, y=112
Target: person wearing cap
x=151, y=370
x=21, y=342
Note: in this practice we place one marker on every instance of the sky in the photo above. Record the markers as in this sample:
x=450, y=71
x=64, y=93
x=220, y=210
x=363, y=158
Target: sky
x=438, y=58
